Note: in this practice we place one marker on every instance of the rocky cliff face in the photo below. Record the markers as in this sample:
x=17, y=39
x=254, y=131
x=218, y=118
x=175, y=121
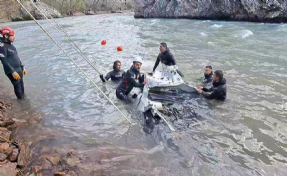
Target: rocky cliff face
x=48, y=10
x=12, y=11
x=9, y=10
x=239, y=10
x=65, y=6
x=110, y=5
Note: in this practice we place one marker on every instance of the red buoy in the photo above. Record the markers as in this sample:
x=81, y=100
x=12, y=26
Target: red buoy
x=104, y=42
x=119, y=48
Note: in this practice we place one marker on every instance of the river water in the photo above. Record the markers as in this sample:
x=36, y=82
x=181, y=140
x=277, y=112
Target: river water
x=245, y=135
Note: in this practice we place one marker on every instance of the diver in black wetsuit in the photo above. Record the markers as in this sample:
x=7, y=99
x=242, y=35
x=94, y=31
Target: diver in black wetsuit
x=208, y=75
x=165, y=56
x=133, y=78
x=13, y=67
x=115, y=75
x=218, y=90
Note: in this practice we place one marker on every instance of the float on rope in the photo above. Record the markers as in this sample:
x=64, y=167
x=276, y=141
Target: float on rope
x=119, y=48
x=104, y=42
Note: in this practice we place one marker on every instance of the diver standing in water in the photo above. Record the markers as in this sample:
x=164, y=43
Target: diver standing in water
x=207, y=78
x=218, y=90
x=115, y=75
x=133, y=78
x=13, y=67
x=165, y=57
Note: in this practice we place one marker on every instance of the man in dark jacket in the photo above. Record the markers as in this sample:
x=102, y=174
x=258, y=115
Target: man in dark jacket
x=133, y=78
x=115, y=75
x=218, y=90
x=12, y=64
x=165, y=56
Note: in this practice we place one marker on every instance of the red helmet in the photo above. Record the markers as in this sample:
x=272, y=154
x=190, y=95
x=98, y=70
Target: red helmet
x=7, y=30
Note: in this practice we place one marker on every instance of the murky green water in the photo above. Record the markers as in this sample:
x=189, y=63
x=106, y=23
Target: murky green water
x=245, y=135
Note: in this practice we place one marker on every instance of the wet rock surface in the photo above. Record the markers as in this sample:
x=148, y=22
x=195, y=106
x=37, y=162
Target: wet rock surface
x=2, y=157
x=13, y=157
x=54, y=160
x=8, y=169
x=59, y=174
x=24, y=155
x=16, y=154
x=245, y=10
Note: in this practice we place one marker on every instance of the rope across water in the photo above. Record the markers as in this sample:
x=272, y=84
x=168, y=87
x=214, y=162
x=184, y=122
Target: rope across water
x=60, y=47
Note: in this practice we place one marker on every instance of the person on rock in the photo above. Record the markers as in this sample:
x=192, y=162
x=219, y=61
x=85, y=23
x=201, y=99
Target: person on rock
x=13, y=67
x=165, y=57
x=218, y=90
x=133, y=78
x=115, y=75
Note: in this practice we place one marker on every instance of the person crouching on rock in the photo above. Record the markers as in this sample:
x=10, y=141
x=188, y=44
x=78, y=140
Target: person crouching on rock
x=115, y=75
x=133, y=78
x=13, y=67
x=218, y=90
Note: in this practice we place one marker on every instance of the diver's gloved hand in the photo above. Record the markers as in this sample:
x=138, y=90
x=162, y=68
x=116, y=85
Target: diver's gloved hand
x=24, y=72
x=102, y=78
x=151, y=73
x=16, y=76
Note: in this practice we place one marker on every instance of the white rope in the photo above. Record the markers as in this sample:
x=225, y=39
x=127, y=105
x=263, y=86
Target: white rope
x=64, y=34
x=165, y=121
x=72, y=60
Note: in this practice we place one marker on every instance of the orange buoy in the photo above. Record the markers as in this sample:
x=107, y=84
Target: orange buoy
x=104, y=42
x=119, y=48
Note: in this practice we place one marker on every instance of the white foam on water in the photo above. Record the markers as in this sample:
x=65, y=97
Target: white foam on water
x=282, y=28
x=244, y=34
x=211, y=43
x=203, y=34
x=216, y=26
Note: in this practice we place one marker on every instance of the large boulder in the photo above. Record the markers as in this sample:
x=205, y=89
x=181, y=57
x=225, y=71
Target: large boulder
x=247, y=10
x=47, y=10
x=12, y=11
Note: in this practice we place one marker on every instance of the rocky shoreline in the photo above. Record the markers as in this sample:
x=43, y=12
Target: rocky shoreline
x=12, y=11
x=18, y=157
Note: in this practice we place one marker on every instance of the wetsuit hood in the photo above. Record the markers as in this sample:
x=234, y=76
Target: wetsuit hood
x=222, y=82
